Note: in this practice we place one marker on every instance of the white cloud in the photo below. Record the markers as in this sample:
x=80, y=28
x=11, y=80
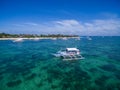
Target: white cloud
x=104, y=27
x=26, y=24
x=93, y=27
x=67, y=23
x=18, y=25
x=31, y=23
x=108, y=15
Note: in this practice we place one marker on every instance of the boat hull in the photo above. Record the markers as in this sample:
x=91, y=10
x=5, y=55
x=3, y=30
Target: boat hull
x=69, y=57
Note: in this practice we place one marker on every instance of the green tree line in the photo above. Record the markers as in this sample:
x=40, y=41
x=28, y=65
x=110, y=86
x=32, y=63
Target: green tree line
x=6, y=35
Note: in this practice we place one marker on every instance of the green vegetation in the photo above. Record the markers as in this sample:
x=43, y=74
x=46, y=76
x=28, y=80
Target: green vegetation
x=5, y=35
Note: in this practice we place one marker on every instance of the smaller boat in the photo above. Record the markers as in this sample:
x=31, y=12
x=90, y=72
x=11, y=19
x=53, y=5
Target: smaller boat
x=64, y=38
x=69, y=54
x=89, y=38
x=54, y=38
x=18, y=40
x=36, y=39
x=78, y=38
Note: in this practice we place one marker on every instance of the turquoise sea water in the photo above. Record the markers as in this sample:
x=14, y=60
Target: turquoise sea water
x=29, y=65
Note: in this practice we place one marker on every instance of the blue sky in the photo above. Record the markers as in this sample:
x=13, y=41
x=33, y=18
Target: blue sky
x=82, y=17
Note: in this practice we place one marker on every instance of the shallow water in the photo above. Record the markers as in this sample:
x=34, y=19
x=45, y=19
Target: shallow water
x=29, y=65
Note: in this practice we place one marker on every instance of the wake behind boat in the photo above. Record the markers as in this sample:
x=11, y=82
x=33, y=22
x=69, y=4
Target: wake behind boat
x=69, y=54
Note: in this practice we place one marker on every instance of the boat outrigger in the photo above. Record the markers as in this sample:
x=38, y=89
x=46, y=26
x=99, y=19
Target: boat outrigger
x=69, y=54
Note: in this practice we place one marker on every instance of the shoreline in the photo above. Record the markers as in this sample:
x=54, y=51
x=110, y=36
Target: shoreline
x=38, y=38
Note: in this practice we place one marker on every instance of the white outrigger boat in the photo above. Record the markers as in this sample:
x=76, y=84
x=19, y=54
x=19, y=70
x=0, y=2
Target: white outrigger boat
x=18, y=40
x=69, y=54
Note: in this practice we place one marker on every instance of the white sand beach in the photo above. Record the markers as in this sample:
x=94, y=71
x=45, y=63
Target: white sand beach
x=37, y=38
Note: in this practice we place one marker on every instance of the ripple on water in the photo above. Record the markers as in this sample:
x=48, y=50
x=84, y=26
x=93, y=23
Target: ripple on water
x=55, y=73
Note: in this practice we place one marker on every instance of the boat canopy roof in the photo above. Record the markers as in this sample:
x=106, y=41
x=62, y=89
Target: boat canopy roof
x=72, y=49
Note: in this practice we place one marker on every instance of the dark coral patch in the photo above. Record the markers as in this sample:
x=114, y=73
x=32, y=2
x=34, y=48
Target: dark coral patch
x=66, y=86
x=75, y=79
x=31, y=76
x=113, y=86
x=93, y=70
x=117, y=75
x=108, y=67
x=25, y=72
x=14, y=83
x=54, y=86
x=44, y=67
x=80, y=74
x=101, y=81
x=54, y=73
x=114, y=56
x=49, y=79
x=39, y=84
x=1, y=77
x=16, y=69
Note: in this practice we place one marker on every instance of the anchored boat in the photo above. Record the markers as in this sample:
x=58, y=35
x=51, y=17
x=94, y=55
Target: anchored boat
x=18, y=40
x=69, y=54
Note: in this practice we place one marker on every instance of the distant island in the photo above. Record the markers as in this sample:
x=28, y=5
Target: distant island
x=29, y=36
